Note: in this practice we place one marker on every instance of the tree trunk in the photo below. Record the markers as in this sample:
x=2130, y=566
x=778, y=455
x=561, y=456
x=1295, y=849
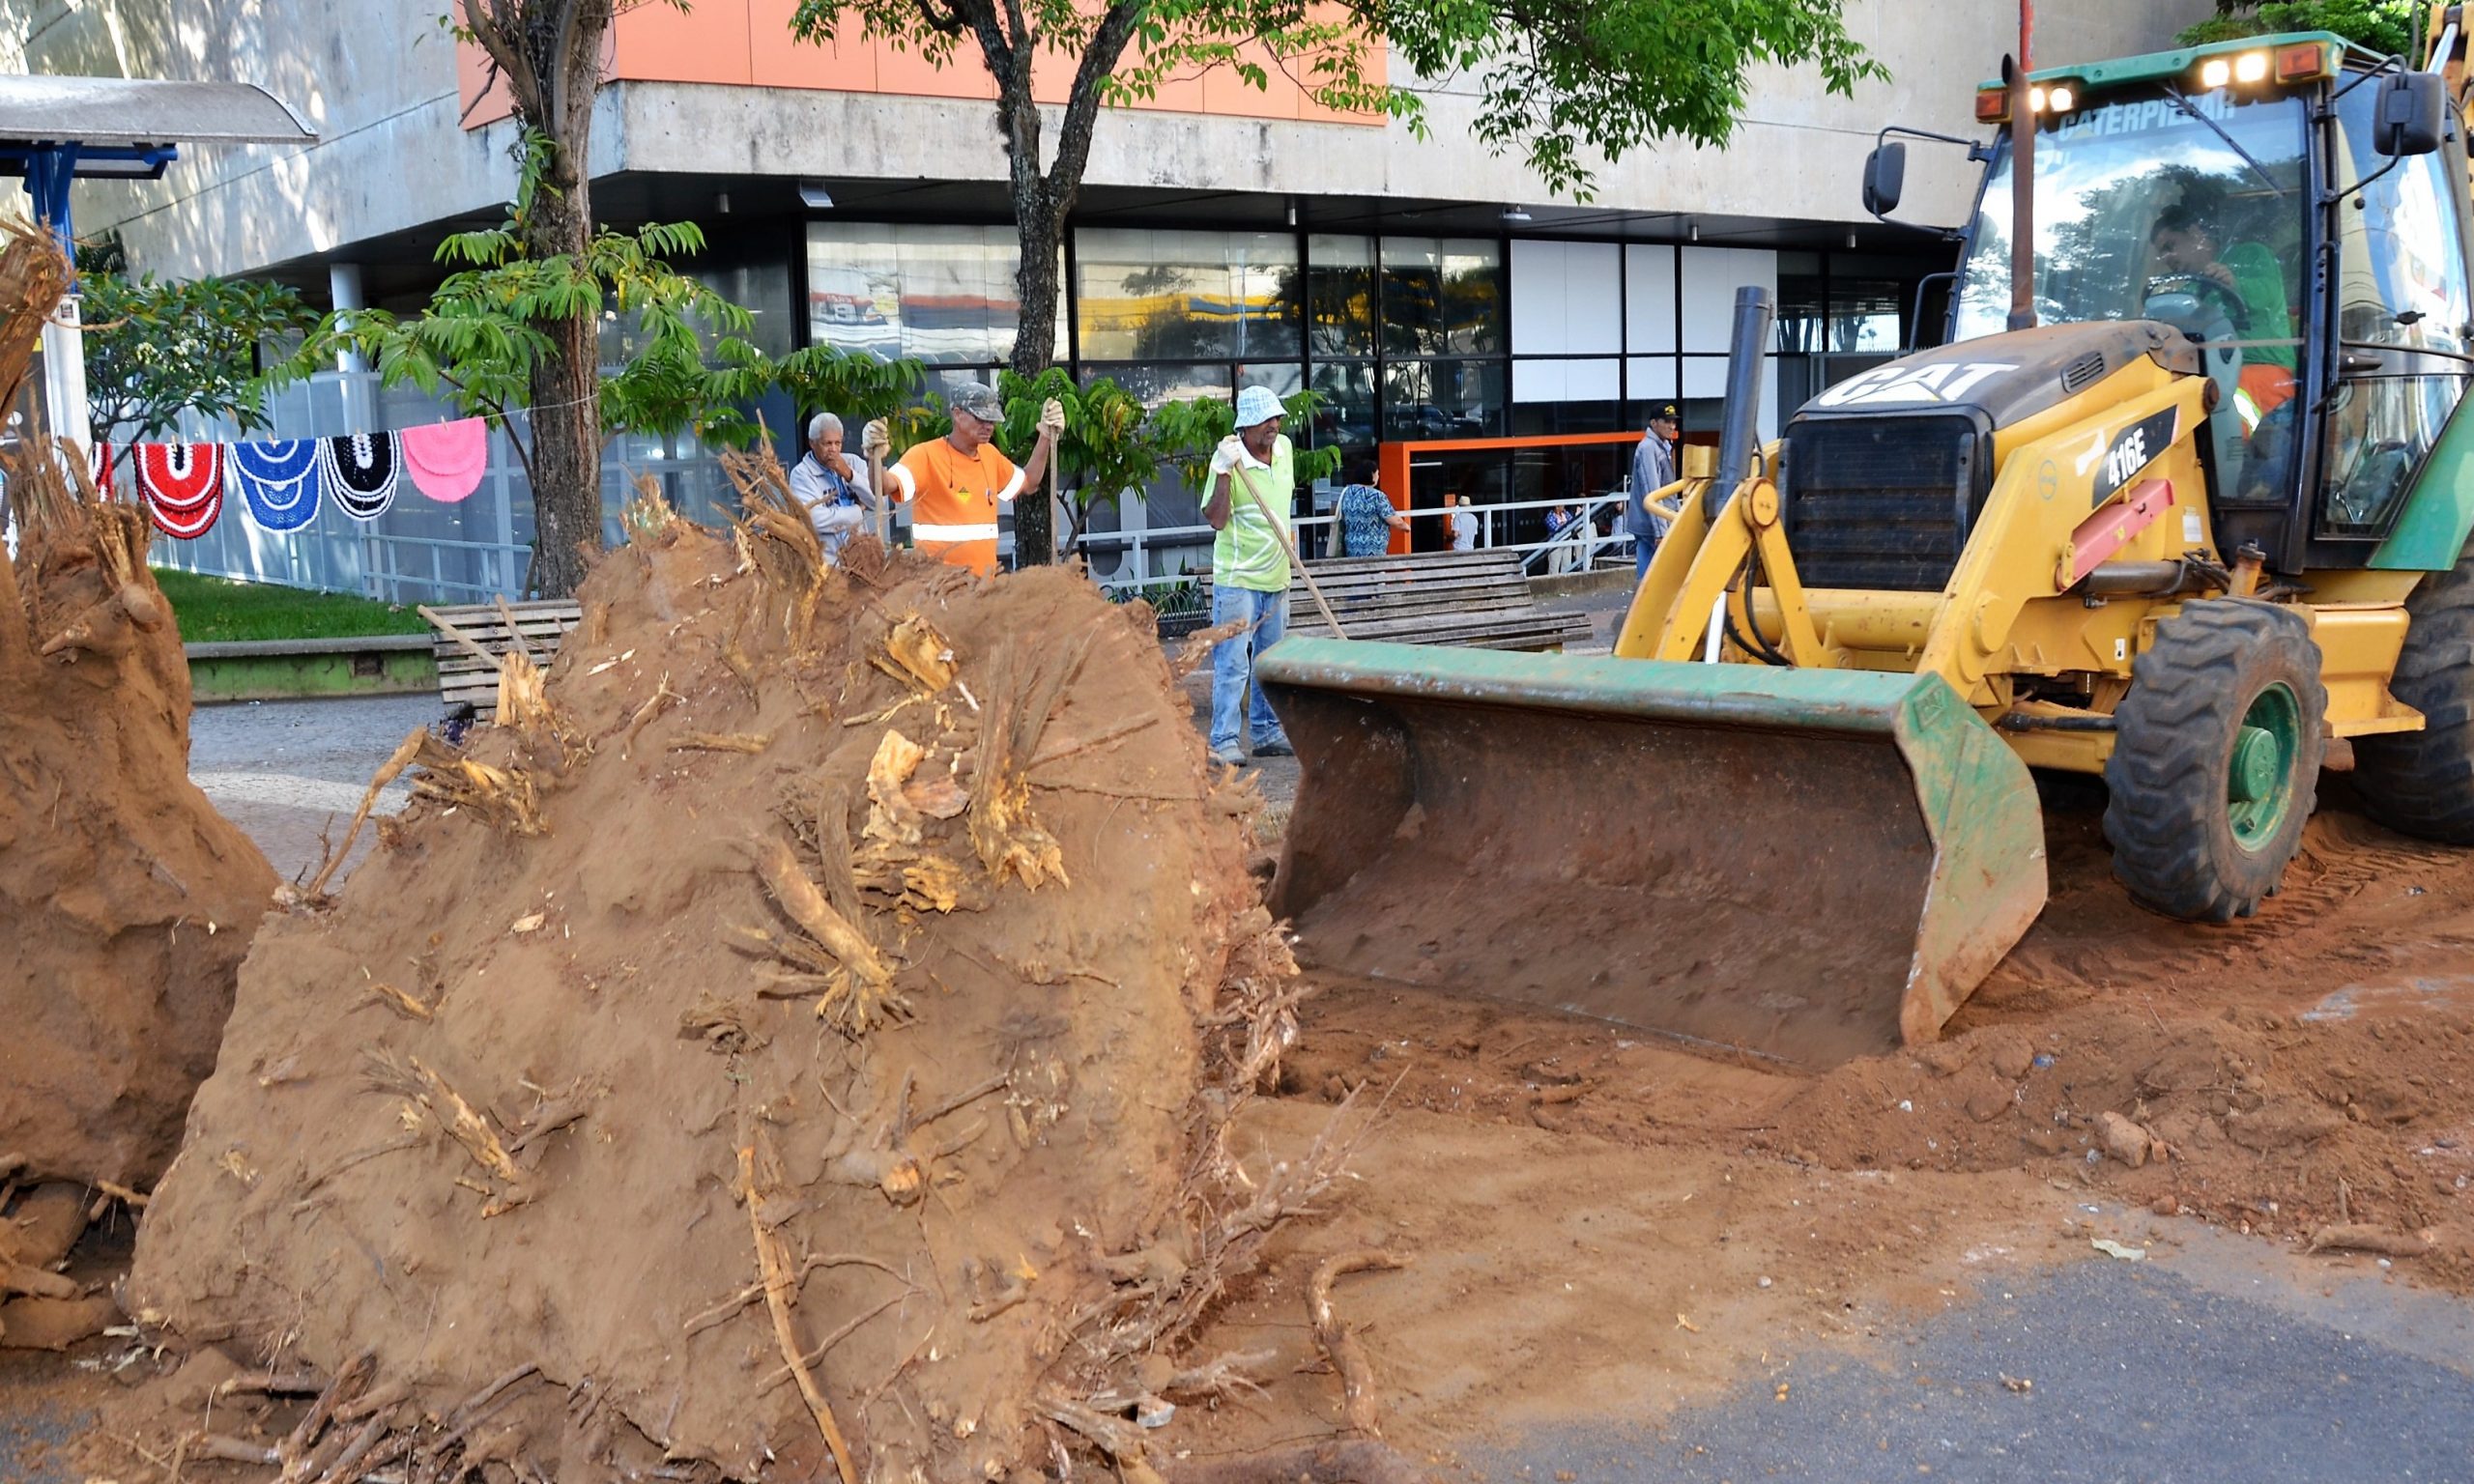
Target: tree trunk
x=566, y=420
x=548, y=52
x=1041, y=228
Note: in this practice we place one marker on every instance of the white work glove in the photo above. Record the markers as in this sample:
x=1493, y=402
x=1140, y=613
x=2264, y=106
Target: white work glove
x=1052, y=419
x=873, y=439
x=1228, y=455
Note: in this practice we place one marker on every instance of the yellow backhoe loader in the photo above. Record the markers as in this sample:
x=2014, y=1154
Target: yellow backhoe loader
x=2183, y=503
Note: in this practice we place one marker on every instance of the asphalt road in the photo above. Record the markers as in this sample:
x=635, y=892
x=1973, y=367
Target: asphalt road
x=2225, y=1364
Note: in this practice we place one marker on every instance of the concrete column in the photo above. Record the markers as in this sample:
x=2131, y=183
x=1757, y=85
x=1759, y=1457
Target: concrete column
x=64, y=374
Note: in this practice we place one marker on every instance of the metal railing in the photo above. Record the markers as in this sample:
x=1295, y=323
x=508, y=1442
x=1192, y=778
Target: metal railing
x=1579, y=547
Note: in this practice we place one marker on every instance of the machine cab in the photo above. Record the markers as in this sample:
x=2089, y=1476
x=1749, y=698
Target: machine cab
x=2249, y=197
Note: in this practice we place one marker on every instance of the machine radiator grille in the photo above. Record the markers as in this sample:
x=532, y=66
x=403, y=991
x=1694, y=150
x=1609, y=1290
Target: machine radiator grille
x=1881, y=503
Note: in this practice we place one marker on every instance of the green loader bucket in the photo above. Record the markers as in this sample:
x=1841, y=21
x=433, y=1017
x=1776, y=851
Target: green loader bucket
x=1807, y=865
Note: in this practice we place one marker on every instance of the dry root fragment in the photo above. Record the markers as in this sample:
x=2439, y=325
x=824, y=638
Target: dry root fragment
x=861, y=994
x=2369, y=1238
x=422, y=1085
x=892, y=819
x=399, y=1001
x=750, y=743
x=774, y=1268
x=654, y=706
x=1195, y=648
x=1339, y=1343
x=919, y=656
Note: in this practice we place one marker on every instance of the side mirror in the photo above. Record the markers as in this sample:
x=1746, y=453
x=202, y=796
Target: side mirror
x=2407, y=118
x=1885, y=173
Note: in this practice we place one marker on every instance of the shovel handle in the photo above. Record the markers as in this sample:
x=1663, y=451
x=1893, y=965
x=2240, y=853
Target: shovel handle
x=1312, y=589
x=882, y=515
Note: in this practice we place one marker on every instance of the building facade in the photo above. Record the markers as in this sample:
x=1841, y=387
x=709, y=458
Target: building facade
x=855, y=196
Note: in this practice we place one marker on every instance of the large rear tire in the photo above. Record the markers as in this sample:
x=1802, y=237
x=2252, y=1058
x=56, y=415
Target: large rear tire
x=2216, y=758
x=2422, y=782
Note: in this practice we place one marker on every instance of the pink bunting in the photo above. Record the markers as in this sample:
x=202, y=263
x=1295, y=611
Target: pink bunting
x=446, y=459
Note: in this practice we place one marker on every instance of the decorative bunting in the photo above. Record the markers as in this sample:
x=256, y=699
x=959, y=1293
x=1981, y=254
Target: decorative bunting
x=182, y=485
x=180, y=477
x=278, y=481
x=359, y=471
x=446, y=459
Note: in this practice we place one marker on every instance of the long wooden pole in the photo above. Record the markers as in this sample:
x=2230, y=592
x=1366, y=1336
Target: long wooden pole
x=1280, y=530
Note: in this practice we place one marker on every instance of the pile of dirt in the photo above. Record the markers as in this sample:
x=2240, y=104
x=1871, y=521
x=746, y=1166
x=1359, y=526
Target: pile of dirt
x=803, y=1037
x=130, y=901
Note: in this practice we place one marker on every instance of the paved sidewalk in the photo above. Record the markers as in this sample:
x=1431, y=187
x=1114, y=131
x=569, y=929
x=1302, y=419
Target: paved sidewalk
x=286, y=770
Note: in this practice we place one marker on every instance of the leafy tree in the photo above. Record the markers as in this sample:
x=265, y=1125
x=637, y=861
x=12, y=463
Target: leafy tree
x=2383, y=25
x=1557, y=79
x=489, y=330
x=548, y=55
x=156, y=350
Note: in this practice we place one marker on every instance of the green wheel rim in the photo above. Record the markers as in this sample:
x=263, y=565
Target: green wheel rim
x=2258, y=782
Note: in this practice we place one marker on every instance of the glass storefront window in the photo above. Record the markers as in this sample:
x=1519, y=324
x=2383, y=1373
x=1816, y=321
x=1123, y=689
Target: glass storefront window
x=1183, y=295
x=1154, y=382
x=1347, y=417
x=942, y=294
x=1442, y=297
x=1340, y=295
x=1442, y=399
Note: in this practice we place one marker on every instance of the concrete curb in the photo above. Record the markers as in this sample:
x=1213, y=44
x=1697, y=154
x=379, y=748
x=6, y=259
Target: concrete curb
x=308, y=668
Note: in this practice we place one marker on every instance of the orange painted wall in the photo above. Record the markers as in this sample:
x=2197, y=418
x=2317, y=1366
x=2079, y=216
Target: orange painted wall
x=747, y=43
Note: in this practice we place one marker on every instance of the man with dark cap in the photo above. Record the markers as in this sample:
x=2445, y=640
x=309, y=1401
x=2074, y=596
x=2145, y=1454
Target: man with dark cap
x=959, y=479
x=1653, y=470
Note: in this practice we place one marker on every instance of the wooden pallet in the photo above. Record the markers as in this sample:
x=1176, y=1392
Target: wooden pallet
x=470, y=637
x=1478, y=599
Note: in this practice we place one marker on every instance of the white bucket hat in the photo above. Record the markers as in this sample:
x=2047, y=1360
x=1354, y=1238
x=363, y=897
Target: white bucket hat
x=1257, y=405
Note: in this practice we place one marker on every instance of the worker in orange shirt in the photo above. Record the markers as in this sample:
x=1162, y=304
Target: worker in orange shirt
x=958, y=480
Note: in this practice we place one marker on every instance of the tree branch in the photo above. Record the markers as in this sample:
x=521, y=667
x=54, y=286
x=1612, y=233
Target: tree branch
x=1082, y=105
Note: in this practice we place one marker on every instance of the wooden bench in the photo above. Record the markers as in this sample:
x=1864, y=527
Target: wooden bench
x=1477, y=599
x=469, y=682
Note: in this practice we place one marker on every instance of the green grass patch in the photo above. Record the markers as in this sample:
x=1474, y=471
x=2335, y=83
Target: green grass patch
x=212, y=608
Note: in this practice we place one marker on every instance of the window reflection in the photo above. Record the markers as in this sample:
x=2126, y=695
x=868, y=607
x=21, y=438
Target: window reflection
x=1339, y=307
x=1442, y=297
x=942, y=294
x=1182, y=296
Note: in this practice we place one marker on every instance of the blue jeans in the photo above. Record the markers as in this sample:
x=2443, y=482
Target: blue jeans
x=1643, y=549
x=1265, y=615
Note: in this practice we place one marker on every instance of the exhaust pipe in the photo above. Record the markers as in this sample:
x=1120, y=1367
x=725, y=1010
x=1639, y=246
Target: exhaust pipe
x=1738, y=436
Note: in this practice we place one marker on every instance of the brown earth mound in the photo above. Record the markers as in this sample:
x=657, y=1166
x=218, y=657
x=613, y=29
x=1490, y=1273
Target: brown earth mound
x=129, y=900
x=804, y=1040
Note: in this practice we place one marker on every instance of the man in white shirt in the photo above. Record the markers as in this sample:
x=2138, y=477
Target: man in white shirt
x=1461, y=521
x=832, y=491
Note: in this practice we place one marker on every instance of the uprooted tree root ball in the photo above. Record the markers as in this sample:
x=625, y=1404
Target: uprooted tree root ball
x=129, y=900
x=798, y=1041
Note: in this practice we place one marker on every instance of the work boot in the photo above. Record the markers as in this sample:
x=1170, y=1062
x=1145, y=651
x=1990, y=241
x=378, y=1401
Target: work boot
x=1276, y=747
x=1229, y=756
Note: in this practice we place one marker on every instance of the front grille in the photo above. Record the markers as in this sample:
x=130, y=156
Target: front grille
x=1881, y=503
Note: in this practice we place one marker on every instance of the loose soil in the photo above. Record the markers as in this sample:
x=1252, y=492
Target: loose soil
x=129, y=900
x=800, y=1041
x=1595, y=1209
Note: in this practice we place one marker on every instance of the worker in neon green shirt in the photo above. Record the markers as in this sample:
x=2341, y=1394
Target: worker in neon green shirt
x=1254, y=483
